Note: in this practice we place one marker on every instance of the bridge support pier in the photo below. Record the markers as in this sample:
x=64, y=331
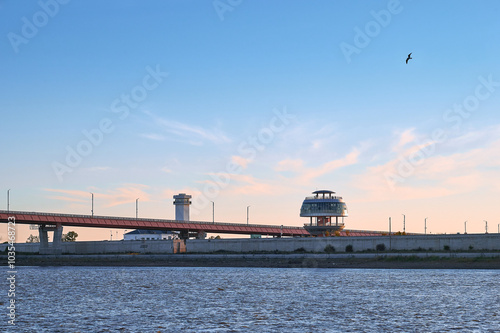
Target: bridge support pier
x=45, y=246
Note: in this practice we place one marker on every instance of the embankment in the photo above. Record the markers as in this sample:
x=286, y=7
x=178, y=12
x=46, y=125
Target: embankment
x=291, y=260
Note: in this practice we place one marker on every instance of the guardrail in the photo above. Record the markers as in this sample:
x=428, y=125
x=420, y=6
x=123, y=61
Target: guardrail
x=321, y=198
x=148, y=219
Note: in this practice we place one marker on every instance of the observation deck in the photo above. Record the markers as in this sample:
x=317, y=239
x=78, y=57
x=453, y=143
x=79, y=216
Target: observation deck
x=324, y=210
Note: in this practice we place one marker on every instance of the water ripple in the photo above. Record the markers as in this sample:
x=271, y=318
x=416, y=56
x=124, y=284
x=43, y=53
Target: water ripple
x=165, y=299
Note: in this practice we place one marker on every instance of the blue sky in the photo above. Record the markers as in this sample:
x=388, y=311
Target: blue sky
x=205, y=78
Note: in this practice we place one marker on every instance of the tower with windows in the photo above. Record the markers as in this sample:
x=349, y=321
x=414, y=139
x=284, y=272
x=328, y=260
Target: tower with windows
x=182, y=202
x=326, y=213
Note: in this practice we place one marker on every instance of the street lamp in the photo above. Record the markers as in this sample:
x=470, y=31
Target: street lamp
x=8, y=200
x=465, y=227
x=390, y=239
x=425, y=226
x=404, y=222
x=136, y=208
x=486, y=226
x=92, y=211
x=213, y=212
x=247, y=214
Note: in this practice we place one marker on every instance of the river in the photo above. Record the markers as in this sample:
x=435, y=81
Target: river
x=175, y=299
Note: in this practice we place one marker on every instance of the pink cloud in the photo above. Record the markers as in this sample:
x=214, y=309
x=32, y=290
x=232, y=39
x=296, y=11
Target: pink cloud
x=109, y=198
x=443, y=175
x=310, y=174
x=405, y=138
x=238, y=160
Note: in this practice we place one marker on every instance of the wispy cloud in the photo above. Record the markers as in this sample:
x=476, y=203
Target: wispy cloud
x=191, y=134
x=305, y=175
x=247, y=184
x=108, y=198
x=406, y=137
x=462, y=164
x=241, y=161
x=166, y=170
x=295, y=165
x=63, y=198
x=312, y=173
x=153, y=136
x=71, y=193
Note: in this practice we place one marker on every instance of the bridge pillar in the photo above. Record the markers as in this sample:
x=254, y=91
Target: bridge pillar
x=56, y=246
x=44, y=239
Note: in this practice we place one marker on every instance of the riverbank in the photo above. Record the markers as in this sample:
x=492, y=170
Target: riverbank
x=306, y=260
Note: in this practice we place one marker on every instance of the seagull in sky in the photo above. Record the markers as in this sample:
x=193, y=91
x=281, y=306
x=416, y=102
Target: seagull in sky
x=409, y=57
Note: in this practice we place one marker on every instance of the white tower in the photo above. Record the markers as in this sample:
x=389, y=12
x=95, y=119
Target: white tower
x=182, y=202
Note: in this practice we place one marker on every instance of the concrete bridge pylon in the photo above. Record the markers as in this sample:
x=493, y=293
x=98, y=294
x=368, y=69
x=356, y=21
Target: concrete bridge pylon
x=50, y=248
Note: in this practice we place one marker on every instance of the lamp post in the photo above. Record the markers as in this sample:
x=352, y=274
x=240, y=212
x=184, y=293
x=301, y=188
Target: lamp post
x=8, y=200
x=247, y=213
x=390, y=239
x=465, y=227
x=425, y=226
x=92, y=210
x=404, y=222
x=136, y=208
x=213, y=212
x=485, y=226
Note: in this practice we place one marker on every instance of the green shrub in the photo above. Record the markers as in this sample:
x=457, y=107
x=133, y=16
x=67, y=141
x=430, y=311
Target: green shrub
x=329, y=249
x=446, y=248
x=348, y=248
x=300, y=249
x=380, y=247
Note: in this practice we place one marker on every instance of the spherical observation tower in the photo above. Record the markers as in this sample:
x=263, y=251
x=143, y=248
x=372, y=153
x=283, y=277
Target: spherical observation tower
x=324, y=210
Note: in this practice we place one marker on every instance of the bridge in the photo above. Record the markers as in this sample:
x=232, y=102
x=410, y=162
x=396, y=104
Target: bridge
x=54, y=219
x=55, y=222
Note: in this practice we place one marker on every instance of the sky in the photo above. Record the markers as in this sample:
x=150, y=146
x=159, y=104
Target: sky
x=252, y=103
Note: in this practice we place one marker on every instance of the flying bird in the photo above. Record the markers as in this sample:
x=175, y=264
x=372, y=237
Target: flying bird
x=409, y=57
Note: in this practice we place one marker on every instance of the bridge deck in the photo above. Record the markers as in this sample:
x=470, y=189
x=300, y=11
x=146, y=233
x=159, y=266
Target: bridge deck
x=151, y=224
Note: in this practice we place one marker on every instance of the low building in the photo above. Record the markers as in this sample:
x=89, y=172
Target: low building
x=150, y=235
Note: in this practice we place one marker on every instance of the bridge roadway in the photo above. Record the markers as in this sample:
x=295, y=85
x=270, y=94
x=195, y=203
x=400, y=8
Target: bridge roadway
x=49, y=219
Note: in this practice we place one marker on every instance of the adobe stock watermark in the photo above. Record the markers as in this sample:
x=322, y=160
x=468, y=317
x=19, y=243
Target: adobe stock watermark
x=223, y=6
x=12, y=271
x=247, y=150
x=454, y=116
x=122, y=107
x=30, y=27
x=363, y=37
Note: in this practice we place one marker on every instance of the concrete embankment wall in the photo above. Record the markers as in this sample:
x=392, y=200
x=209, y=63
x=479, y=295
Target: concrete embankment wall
x=486, y=242
x=103, y=247
x=408, y=242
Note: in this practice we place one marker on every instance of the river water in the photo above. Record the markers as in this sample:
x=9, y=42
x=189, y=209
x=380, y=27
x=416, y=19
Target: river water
x=166, y=299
